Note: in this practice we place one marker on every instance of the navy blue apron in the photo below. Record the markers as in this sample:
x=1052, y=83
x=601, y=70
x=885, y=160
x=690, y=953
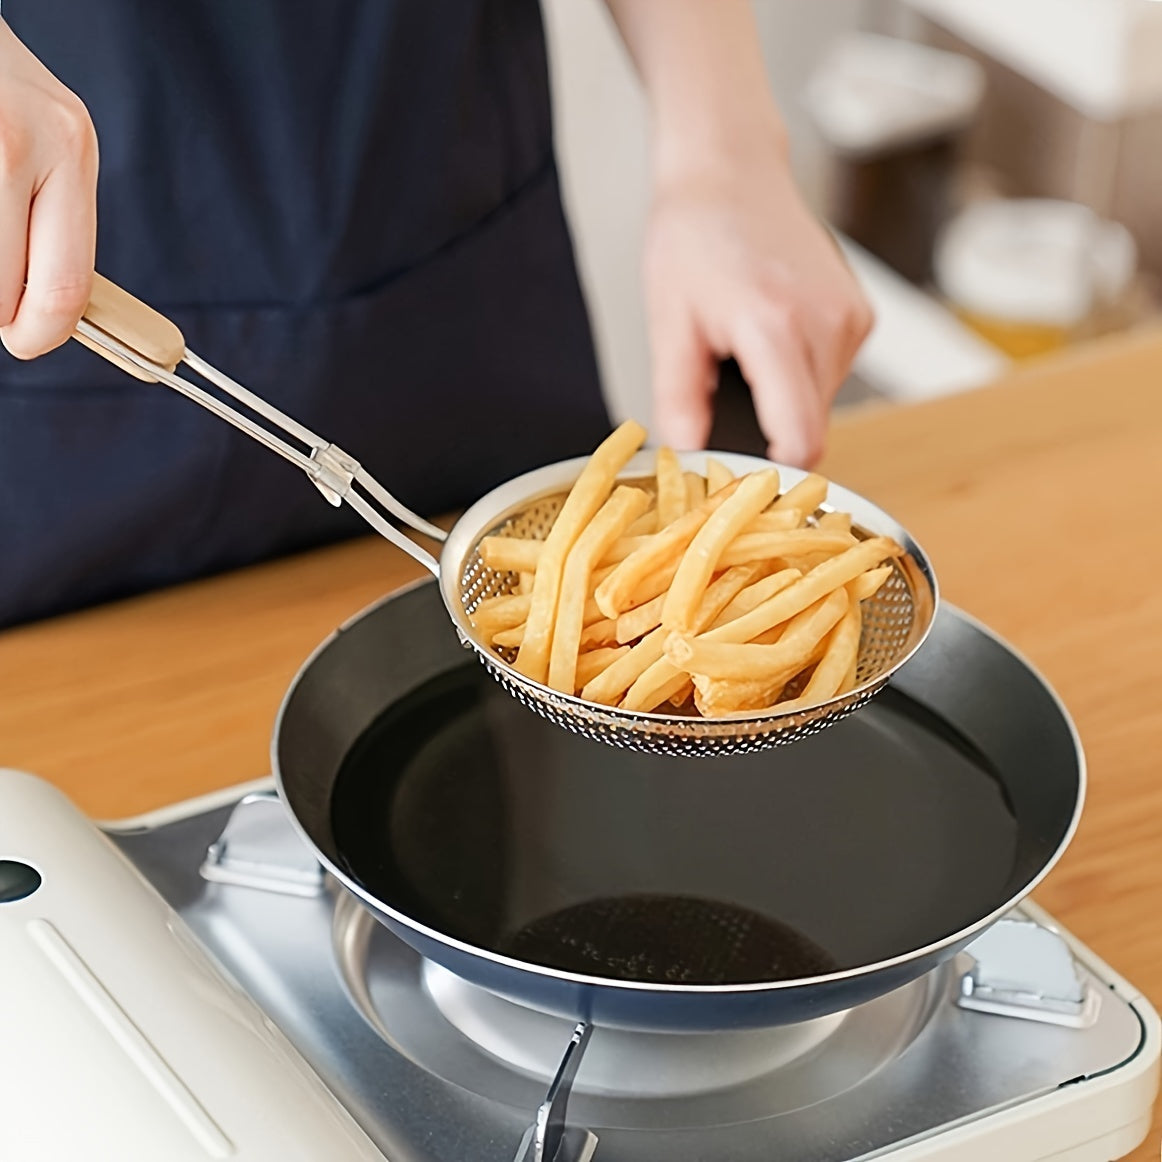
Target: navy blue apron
x=352, y=208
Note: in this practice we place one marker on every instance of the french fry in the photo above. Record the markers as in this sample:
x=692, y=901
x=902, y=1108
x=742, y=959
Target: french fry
x=740, y=661
x=508, y=639
x=754, y=595
x=720, y=698
x=795, y=543
x=810, y=588
x=717, y=475
x=592, y=662
x=660, y=683
x=868, y=584
x=806, y=496
x=654, y=585
x=500, y=613
x=671, y=488
x=841, y=651
x=511, y=554
x=599, y=631
x=591, y=613
x=611, y=520
x=660, y=680
x=612, y=683
x=695, y=490
x=723, y=590
x=622, y=547
x=616, y=593
x=681, y=695
x=809, y=561
x=524, y=582
x=599, y=574
x=701, y=558
x=775, y=522
x=770, y=636
x=738, y=700
x=835, y=522
x=645, y=525
x=587, y=495
x=518, y=554
x=725, y=697
x=637, y=622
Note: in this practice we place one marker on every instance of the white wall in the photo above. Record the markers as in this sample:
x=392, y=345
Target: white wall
x=602, y=146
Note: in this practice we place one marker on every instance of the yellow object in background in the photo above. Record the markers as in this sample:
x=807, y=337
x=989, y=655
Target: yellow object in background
x=1019, y=340
x=1031, y=276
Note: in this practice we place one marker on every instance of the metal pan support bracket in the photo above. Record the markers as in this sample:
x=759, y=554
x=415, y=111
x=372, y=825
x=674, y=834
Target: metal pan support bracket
x=1025, y=970
x=550, y=1138
x=257, y=850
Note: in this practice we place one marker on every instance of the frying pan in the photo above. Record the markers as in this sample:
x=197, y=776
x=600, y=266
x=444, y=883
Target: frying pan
x=641, y=891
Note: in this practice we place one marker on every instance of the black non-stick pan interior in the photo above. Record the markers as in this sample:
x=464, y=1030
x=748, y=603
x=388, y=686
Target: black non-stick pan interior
x=888, y=832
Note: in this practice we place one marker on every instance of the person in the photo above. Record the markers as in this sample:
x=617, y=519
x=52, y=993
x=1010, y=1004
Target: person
x=353, y=209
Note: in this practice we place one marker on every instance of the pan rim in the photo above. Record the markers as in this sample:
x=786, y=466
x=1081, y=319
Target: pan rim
x=561, y=976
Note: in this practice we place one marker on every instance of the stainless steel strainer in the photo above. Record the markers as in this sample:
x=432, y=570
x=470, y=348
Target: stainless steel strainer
x=895, y=621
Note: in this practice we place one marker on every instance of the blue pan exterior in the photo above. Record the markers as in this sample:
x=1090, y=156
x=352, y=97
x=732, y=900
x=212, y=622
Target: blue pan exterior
x=963, y=673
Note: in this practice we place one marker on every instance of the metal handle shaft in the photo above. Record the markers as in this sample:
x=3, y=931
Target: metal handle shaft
x=330, y=469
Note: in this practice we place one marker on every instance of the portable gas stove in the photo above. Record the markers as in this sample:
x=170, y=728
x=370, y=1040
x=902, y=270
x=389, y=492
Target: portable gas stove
x=258, y=1013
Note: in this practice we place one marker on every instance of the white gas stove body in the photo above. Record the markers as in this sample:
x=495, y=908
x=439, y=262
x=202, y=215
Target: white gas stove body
x=121, y=1037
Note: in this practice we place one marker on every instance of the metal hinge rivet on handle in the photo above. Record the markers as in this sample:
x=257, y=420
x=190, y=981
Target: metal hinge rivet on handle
x=336, y=472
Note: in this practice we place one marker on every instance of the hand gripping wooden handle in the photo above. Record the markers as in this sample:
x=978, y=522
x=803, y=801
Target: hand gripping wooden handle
x=131, y=322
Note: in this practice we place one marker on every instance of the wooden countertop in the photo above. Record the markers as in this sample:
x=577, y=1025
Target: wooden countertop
x=1037, y=500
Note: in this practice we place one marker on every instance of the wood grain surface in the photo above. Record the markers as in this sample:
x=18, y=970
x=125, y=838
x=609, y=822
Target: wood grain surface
x=1037, y=499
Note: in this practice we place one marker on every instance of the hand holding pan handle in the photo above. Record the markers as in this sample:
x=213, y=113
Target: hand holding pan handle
x=146, y=344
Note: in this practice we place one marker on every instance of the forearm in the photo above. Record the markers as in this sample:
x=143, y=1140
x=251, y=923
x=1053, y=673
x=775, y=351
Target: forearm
x=735, y=263
x=703, y=71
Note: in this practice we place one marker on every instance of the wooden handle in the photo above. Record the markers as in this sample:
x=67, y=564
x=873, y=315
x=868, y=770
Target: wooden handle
x=130, y=321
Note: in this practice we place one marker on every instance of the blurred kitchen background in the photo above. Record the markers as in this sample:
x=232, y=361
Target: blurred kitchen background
x=992, y=166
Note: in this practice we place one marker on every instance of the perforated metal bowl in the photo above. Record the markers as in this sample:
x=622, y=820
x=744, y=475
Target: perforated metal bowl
x=895, y=621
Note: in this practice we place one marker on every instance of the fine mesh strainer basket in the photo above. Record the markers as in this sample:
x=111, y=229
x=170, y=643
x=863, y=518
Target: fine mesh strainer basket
x=895, y=620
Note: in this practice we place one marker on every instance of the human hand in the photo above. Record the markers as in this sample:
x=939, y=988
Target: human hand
x=48, y=203
x=735, y=265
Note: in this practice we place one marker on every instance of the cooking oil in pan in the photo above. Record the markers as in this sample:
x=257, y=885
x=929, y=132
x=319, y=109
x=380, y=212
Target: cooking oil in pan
x=472, y=815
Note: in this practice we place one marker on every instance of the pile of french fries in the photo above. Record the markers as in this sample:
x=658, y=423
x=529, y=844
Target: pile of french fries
x=719, y=592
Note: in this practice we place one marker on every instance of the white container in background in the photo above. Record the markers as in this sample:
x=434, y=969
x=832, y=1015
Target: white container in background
x=1033, y=274
x=892, y=114
x=872, y=94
